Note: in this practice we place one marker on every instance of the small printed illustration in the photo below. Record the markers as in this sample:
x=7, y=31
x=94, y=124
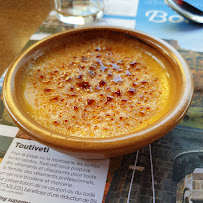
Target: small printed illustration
x=4, y=117
x=188, y=170
x=5, y=143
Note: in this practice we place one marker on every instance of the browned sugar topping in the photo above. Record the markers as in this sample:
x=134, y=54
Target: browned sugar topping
x=97, y=87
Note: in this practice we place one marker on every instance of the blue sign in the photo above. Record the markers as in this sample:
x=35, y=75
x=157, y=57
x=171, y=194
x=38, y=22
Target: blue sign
x=156, y=18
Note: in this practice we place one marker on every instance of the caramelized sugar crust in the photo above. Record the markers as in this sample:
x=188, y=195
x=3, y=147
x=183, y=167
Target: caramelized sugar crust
x=99, y=86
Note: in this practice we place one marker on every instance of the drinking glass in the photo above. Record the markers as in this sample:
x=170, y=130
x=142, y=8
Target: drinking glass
x=79, y=12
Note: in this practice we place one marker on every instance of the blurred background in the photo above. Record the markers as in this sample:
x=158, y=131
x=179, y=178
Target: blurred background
x=16, y=27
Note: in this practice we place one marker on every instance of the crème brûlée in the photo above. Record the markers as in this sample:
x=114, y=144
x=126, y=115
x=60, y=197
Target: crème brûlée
x=101, y=85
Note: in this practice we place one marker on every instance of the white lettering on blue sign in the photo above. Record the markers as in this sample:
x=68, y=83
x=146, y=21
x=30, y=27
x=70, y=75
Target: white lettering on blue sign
x=162, y=17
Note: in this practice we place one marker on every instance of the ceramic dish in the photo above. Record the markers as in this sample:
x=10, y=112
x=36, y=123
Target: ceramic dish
x=96, y=147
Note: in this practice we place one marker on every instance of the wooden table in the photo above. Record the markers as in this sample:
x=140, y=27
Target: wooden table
x=19, y=19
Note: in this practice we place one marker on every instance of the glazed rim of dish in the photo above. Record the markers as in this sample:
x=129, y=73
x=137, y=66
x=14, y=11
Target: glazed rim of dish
x=73, y=143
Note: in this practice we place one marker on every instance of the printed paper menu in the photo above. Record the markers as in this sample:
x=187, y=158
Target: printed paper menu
x=31, y=172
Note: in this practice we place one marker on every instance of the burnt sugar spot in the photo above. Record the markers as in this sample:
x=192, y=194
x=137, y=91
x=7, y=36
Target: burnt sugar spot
x=117, y=93
x=90, y=101
x=109, y=99
x=98, y=49
x=48, y=90
x=102, y=83
x=132, y=91
x=134, y=64
x=84, y=85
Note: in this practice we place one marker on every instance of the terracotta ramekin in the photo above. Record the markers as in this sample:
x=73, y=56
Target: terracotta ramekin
x=99, y=148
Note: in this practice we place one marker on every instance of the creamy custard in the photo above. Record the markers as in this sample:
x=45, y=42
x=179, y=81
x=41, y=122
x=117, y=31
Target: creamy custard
x=99, y=86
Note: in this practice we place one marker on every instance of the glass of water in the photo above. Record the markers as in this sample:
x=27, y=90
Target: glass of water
x=79, y=12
